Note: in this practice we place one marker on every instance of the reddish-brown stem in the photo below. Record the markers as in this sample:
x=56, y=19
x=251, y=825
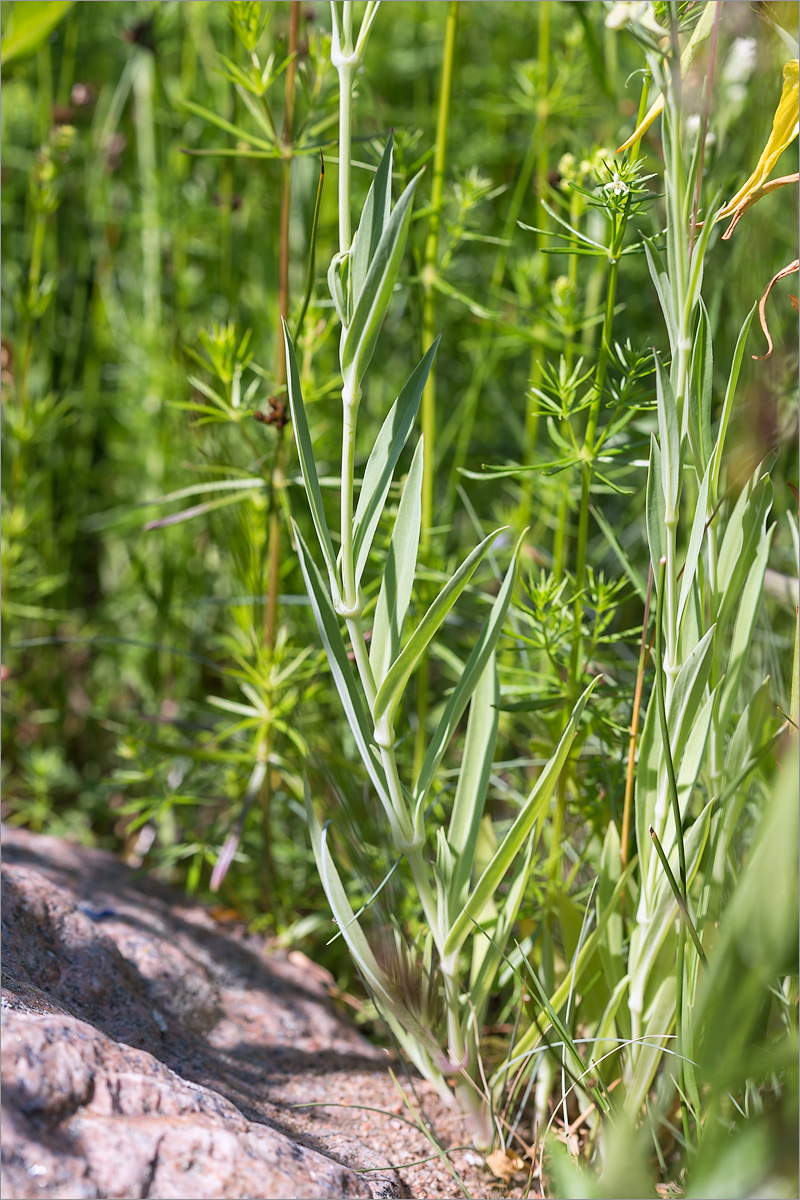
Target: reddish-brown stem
x=278, y=463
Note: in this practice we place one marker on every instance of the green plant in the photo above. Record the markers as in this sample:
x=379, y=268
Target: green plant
x=456, y=901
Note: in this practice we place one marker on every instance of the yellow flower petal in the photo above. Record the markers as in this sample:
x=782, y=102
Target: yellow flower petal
x=764, y=189
x=701, y=31
x=784, y=131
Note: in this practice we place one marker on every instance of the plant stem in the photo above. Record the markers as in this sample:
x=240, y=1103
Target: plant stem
x=144, y=120
x=345, y=107
x=278, y=468
x=540, y=184
x=429, y=269
x=637, y=701
x=662, y=716
x=588, y=455
x=428, y=409
x=679, y=900
x=279, y=460
x=348, y=463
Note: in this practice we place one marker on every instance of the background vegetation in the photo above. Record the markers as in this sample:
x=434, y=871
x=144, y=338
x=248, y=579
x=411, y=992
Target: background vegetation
x=154, y=701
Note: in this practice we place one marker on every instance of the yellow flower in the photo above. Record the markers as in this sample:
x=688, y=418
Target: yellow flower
x=784, y=131
x=701, y=32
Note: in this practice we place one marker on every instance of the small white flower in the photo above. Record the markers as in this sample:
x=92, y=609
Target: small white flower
x=632, y=11
x=616, y=186
x=693, y=130
x=741, y=61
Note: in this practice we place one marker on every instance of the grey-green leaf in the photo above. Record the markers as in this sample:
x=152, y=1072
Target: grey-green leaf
x=695, y=544
x=305, y=453
x=654, y=507
x=663, y=285
x=349, y=694
x=398, y=574
x=473, y=780
x=515, y=838
x=473, y=669
x=669, y=431
x=383, y=459
x=374, y=217
x=391, y=690
x=743, y=628
x=358, y=343
x=701, y=391
x=727, y=405
x=379, y=984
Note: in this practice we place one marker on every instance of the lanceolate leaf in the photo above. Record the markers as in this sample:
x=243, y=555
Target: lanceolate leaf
x=473, y=780
x=669, y=432
x=359, y=339
x=383, y=459
x=750, y=737
x=533, y=1035
x=481, y=980
x=697, y=260
x=351, y=931
x=700, y=392
x=515, y=838
x=727, y=406
x=349, y=694
x=473, y=668
x=661, y=281
x=305, y=453
x=743, y=536
x=695, y=544
x=648, y=936
x=398, y=574
x=651, y=780
x=28, y=25
x=374, y=217
x=743, y=629
x=391, y=690
x=654, y=507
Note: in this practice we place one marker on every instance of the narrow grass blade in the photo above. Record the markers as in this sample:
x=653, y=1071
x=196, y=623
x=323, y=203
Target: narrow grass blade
x=349, y=694
x=393, y=686
x=351, y=931
x=630, y=569
x=242, y=135
x=473, y=669
x=648, y=935
x=679, y=900
x=305, y=452
x=196, y=510
x=312, y=252
x=515, y=838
